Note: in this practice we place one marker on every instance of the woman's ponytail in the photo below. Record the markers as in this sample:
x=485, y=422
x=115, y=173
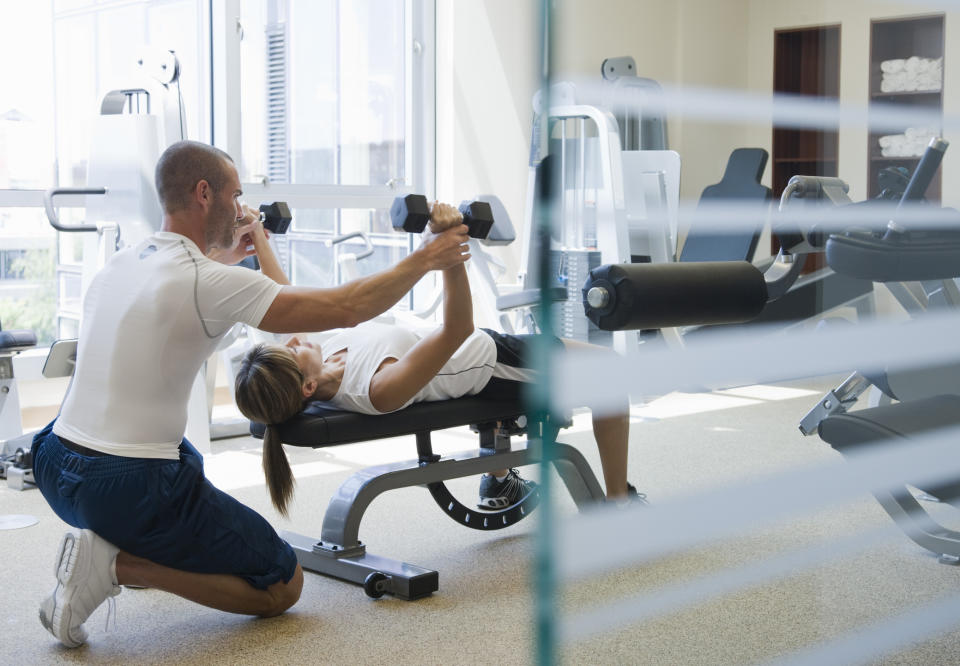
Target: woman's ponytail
x=276, y=469
x=269, y=390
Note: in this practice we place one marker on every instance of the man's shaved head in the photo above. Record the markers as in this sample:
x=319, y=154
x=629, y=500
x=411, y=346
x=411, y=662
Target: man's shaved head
x=182, y=166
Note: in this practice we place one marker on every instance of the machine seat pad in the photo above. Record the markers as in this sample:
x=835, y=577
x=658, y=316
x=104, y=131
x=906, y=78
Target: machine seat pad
x=16, y=340
x=914, y=257
x=901, y=420
x=889, y=423
x=320, y=425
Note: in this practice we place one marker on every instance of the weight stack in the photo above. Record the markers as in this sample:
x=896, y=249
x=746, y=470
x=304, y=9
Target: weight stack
x=569, y=269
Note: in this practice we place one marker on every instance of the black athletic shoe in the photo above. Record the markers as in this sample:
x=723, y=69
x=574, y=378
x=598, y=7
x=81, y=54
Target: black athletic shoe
x=496, y=495
x=634, y=497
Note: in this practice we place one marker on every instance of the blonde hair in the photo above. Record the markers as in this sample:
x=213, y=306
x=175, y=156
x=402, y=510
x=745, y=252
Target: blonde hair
x=269, y=390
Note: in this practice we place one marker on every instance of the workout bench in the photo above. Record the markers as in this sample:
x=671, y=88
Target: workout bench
x=340, y=553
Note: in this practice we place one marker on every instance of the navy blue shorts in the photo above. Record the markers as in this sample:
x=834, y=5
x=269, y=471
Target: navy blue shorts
x=515, y=351
x=161, y=510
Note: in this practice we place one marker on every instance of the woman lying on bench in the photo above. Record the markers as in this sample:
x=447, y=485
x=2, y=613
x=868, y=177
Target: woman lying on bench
x=375, y=369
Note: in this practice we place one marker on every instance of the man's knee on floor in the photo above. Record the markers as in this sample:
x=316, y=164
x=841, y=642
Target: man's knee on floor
x=284, y=595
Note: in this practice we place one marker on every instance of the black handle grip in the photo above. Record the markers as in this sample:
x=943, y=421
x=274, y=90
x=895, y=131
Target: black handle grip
x=923, y=175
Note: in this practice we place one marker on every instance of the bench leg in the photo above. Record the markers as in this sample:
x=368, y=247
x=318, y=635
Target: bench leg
x=339, y=552
x=917, y=524
x=406, y=581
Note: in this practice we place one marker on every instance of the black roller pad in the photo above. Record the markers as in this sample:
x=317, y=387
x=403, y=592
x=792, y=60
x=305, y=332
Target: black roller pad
x=649, y=296
x=276, y=216
x=478, y=216
x=410, y=213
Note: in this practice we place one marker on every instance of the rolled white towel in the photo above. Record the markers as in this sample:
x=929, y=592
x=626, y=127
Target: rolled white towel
x=931, y=64
x=910, y=144
x=892, y=66
x=895, y=82
x=929, y=82
x=918, y=133
x=898, y=82
x=892, y=145
x=915, y=148
x=911, y=74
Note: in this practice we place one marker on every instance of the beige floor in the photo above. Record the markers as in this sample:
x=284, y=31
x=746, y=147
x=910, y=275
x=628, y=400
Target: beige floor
x=482, y=612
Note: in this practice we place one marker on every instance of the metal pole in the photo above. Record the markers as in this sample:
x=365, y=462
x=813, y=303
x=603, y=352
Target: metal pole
x=544, y=575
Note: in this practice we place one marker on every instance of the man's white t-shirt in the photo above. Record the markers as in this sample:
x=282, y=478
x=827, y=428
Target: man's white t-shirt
x=369, y=344
x=151, y=317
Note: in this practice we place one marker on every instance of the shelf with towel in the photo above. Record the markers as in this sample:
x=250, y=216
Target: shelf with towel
x=906, y=77
x=907, y=93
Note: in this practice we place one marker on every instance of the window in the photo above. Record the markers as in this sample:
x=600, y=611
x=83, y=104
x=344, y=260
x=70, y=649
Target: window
x=28, y=289
x=324, y=91
x=77, y=50
x=27, y=242
x=96, y=49
x=336, y=119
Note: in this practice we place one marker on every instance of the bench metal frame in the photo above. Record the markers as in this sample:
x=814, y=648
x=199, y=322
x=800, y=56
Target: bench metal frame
x=340, y=553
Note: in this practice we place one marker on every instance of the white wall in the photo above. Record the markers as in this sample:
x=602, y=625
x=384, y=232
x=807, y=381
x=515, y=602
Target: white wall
x=712, y=54
x=589, y=32
x=487, y=76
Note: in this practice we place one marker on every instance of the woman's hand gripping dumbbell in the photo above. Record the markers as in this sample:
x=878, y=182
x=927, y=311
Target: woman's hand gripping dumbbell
x=445, y=244
x=411, y=213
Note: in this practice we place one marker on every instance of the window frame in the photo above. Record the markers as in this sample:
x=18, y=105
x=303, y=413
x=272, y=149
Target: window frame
x=420, y=111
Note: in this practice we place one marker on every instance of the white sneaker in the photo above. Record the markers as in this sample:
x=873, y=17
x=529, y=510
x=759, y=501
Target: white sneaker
x=86, y=577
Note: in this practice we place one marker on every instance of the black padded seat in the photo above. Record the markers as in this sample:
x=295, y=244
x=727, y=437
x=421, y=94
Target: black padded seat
x=17, y=340
x=320, y=425
x=740, y=185
x=891, y=423
x=933, y=255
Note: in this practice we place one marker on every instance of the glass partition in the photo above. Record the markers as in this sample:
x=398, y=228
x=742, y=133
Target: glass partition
x=809, y=146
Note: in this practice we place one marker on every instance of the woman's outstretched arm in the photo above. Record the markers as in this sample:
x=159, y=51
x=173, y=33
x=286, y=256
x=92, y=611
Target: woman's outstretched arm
x=396, y=382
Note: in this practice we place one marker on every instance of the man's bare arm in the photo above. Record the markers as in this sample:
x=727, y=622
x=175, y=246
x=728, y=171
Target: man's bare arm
x=308, y=309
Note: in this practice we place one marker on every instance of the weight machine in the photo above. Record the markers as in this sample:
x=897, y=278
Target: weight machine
x=618, y=188
x=133, y=128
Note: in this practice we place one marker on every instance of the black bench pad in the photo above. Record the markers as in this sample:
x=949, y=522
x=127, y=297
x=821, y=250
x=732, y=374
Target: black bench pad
x=15, y=340
x=933, y=255
x=889, y=423
x=320, y=425
x=902, y=420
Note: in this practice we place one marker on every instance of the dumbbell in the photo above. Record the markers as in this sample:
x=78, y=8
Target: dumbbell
x=412, y=213
x=276, y=216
